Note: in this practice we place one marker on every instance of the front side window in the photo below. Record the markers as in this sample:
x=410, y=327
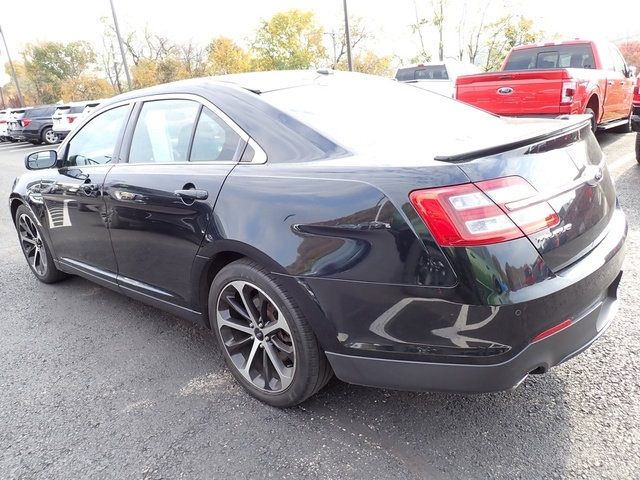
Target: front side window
x=96, y=142
x=163, y=131
x=214, y=140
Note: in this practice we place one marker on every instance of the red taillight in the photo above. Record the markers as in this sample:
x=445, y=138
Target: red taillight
x=25, y=122
x=553, y=330
x=482, y=213
x=568, y=91
x=70, y=118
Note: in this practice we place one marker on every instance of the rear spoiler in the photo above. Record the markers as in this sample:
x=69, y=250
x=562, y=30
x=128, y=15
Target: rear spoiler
x=485, y=152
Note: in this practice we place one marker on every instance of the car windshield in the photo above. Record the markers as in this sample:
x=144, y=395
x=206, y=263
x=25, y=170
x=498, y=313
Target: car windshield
x=426, y=72
x=380, y=115
x=551, y=56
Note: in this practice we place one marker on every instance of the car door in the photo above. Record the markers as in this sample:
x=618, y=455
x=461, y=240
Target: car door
x=73, y=197
x=625, y=83
x=160, y=201
x=616, y=79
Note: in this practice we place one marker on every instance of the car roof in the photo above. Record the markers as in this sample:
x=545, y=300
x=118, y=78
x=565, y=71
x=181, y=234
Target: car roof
x=257, y=82
x=553, y=43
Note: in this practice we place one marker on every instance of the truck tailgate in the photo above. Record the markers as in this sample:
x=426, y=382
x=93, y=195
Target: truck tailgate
x=526, y=92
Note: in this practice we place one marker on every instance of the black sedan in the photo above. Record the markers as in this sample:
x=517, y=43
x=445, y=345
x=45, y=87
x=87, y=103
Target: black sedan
x=328, y=223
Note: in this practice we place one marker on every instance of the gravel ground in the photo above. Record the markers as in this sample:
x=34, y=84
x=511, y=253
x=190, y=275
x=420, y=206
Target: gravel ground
x=97, y=385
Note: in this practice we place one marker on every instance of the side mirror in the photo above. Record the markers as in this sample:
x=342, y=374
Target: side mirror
x=41, y=160
x=635, y=123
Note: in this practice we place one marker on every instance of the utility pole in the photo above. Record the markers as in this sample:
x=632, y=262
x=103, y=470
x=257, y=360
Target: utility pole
x=124, y=57
x=347, y=35
x=13, y=70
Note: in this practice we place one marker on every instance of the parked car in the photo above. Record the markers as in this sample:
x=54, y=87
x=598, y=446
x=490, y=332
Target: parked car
x=316, y=231
x=37, y=125
x=636, y=97
x=437, y=77
x=557, y=78
x=66, y=117
x=14, y=125
x=635, y=124
x=4, y=117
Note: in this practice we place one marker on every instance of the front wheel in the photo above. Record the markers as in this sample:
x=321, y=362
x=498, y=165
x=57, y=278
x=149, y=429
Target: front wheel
x=35, y=248
x=638, y=147
x=264, y=336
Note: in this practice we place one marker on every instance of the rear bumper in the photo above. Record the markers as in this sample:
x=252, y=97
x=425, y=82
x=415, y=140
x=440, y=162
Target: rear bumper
x=61, y=133
x=585, y=293
x=538, y=357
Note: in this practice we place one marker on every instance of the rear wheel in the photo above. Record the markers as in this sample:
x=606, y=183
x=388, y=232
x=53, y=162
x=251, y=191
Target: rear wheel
x=35, y=248
x=594, y=122
x=49, y=136
x=264, y=336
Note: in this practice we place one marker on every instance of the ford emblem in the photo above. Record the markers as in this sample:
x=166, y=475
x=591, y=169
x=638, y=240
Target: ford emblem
x=505, y=91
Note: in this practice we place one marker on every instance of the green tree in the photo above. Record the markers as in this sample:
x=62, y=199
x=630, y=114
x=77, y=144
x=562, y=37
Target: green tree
x=506, y=33
x=225, y=56
x=289, y=40
x=48, y=64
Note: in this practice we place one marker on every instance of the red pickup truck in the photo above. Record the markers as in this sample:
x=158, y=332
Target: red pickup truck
x=557, y=78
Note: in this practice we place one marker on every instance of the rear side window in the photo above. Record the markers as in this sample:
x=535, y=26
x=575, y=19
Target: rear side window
x=96, y=142
x=552, y=56
x=214, y=140
x=163, y=131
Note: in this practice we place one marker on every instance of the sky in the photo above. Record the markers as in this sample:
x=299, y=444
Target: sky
x=387, y=20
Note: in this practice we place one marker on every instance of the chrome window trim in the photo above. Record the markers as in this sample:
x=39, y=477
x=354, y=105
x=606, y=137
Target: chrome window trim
x=259, y=157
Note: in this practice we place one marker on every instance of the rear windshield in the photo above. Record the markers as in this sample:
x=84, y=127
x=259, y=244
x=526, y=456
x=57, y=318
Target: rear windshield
x=552, y=56
x=77, y=108
x=378, y=114
x=40, y=112
x=429, y=72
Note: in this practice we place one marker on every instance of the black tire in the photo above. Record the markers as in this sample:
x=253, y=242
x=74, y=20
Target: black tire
x=310, y=368
x=49, y=137
x=626, y=128
x=30, y=234
x=594, y=124
x=638, y=147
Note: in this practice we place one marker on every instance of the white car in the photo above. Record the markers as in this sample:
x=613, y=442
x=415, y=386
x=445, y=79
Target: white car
x=68, y=116
x=4, y=116
x=438, y=77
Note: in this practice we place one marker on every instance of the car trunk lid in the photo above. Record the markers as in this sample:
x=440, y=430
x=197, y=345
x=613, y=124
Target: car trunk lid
x=569, y=174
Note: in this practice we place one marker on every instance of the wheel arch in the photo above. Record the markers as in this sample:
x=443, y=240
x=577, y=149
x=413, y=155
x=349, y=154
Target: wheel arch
x=14, y=204
x=594, y=104
x=229, y=251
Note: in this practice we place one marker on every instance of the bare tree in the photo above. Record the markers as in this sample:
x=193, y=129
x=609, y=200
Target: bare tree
x=358, y=35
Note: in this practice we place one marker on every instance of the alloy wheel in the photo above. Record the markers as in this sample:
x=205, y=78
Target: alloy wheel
x=51, y=137
x=32, y=244
x=256, y=336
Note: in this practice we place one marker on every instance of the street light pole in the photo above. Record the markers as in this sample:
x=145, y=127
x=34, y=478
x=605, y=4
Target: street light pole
x=13, y=70
x=124, y=57
x=347, y=35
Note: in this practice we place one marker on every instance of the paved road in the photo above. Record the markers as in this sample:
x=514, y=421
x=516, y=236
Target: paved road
x=93, y=384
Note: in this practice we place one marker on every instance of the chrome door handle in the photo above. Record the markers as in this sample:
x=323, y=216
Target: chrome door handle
x=192, y=194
